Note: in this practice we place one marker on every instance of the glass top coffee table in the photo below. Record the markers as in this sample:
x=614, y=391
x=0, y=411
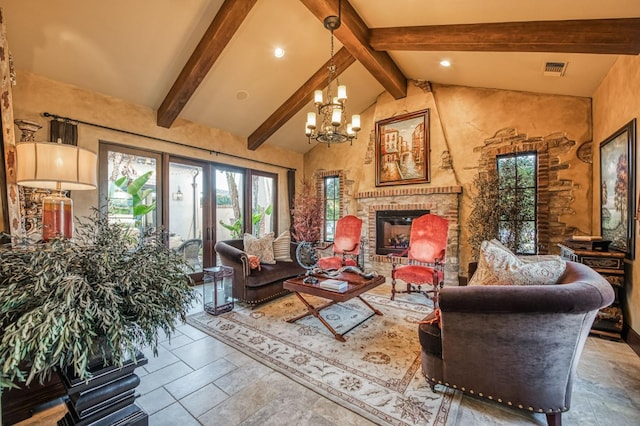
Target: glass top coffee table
x=356, y=285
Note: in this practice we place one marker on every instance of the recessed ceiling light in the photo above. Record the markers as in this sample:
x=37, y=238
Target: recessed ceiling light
x=445, y=63
x=278, y=52
x=241, y=95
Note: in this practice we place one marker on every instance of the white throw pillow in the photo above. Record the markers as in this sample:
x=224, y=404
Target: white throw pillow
x=497, y=265
x=260, y=247
x=282, y=247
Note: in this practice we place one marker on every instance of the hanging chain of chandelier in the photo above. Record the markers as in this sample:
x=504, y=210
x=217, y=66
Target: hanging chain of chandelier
x=329, y=125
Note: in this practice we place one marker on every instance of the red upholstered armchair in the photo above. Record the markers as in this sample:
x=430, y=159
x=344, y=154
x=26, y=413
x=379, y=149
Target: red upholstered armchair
x=426, y=254
x=346, y=244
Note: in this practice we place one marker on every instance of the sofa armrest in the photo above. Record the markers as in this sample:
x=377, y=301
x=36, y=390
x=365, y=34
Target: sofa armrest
x=234, y=257
x=585, y=291
x=224, y=249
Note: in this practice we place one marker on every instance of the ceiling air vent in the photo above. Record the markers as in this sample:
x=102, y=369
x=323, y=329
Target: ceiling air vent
x=555, y=69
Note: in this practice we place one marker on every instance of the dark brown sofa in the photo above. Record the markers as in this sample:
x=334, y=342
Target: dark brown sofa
x=515, y=345
x=250, y=285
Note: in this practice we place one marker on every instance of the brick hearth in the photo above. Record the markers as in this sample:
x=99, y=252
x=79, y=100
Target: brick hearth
x=443, y=201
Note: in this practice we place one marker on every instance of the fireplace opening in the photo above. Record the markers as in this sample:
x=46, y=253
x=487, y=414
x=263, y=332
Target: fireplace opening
x=393, y=228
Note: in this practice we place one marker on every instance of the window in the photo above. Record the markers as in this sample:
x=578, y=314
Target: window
x=517, y=201
x=130, y=185
x=331, y=185
x=263, y=202
x=241, y=190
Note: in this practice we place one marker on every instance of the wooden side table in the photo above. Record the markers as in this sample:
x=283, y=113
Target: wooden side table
x=610, y=265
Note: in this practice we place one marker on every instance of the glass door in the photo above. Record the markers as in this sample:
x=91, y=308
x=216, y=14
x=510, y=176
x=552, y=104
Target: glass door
x=263, y=203
x=129, y=186
x=187, y=214
x=229, y=203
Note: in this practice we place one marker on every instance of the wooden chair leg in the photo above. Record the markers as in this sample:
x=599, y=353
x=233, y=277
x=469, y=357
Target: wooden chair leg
x=554, y=419
x=393, y=288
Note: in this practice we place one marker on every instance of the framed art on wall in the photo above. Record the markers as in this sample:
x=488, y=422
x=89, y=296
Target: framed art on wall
x=402, y=149
x=617, y=189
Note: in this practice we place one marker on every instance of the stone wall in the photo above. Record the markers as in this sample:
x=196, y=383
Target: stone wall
x=462, y=119
x=555, y=194
x=615, y=103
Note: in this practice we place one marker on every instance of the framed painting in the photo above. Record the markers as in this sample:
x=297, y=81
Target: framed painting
x=402, y=149
x=617, y=189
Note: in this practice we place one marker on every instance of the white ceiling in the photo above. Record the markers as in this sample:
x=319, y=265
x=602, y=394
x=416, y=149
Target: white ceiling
x=135, y=49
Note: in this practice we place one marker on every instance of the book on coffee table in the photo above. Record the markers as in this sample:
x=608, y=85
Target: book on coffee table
x=586, y=238
x=335, y=285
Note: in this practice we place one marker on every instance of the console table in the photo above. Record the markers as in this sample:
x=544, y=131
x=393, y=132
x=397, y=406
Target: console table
x=610, y=265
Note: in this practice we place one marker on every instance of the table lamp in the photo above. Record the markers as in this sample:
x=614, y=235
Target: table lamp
x=59, y=167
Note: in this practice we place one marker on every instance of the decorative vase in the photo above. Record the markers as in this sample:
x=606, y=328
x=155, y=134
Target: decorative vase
x=107, y=398
x=307, y=257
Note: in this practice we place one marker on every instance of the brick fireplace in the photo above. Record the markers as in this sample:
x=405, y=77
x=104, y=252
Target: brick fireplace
x=393, y=228
x=443, y=201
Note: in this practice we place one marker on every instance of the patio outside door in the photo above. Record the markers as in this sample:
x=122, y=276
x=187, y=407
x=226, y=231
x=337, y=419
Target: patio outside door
x=187, y=225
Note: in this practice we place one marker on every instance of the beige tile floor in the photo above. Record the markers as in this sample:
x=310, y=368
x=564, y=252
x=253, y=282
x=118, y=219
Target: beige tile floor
x=198, y=380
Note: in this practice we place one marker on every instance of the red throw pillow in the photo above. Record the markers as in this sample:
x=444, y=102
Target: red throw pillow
x=254, y=262
x=433, y=318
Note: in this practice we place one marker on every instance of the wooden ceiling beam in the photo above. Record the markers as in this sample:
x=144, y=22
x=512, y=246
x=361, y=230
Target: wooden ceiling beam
x=598, y=36
x=318, y=81
x=225, y=24
x=354, y=35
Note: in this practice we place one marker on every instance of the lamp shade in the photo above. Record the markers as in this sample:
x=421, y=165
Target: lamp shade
x=55, y=166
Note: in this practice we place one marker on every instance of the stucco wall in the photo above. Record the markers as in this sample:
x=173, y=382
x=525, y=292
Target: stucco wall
x=615, y=103
x=34, y=95
x=461, y=119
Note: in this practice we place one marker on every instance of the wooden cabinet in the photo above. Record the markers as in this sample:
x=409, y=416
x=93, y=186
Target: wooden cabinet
x=610, y=265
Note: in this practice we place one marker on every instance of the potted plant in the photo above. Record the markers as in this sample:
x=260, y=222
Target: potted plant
x=306, y=226
x=307, y=215
x=102, y=295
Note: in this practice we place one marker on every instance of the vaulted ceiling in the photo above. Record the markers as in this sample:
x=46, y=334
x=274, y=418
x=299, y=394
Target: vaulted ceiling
x=212, y=62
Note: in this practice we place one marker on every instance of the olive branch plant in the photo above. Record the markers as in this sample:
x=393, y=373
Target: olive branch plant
x=103, y=295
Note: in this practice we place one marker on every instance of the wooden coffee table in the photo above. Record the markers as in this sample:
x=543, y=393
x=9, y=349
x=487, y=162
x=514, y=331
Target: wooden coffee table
x=357, y=286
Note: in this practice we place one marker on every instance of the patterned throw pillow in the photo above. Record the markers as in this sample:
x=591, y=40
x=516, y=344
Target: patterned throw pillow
x=497, y=265
x=282, y=247
x=261, y=247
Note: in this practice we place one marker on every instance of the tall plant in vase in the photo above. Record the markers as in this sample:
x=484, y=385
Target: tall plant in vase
x=101, y=296
x=307, y=223
x=307, y=215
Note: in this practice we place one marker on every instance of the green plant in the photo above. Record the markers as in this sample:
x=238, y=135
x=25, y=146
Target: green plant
x=485, y=215
x=138, y=195
x=256, y=218
x=103, y=294
x=497, y=212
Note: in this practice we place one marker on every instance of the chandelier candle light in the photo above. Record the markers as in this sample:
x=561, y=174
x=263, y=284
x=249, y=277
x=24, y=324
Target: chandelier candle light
x=59, y=167
x=332, y=127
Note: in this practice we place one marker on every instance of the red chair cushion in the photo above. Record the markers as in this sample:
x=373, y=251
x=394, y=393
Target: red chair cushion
x=414, y=274
x=335, y=262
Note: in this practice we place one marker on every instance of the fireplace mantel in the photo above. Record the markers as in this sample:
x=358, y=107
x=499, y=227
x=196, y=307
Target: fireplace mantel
x=399, y=192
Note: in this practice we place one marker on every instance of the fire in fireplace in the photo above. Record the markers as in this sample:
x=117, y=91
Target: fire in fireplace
x=393, y=228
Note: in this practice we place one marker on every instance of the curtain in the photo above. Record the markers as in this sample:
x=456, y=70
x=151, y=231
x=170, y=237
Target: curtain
x=291, y=192
x=64, y=130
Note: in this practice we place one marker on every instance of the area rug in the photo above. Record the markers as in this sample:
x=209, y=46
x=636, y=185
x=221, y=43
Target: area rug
x=375, y=373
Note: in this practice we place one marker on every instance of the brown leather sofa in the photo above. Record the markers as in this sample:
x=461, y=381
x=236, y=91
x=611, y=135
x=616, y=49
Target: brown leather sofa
x=250, y=285
x=515, y=345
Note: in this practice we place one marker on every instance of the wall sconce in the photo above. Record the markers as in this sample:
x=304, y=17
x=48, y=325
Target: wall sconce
x=59, y=167
x=177, y=196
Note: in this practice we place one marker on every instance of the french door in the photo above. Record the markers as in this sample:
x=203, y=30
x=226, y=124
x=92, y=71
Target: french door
x=195, y=203
x=187, y=213
x=130, y=186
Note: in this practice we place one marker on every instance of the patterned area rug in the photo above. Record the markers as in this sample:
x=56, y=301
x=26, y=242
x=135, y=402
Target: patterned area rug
x=375, y=373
